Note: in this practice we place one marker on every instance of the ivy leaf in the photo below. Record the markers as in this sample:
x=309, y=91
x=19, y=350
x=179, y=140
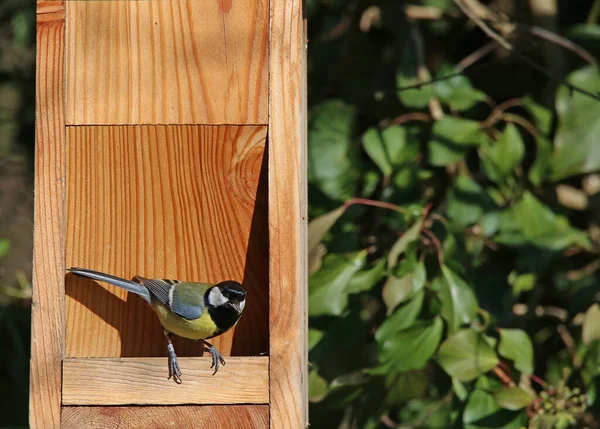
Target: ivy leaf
x=516, y=345
x=542, y=166
x=317, y=386
x=466, y=354
x=365, y=279
x=374, y=146
x=466, y=200
x=317, y=228
x=591, y=324
x=413, y=347
x=408, y=75
x=482, y=412
x=409, y=236
x=459, y=304
x=327, y=288
x=513, y=398
x=452, y=137
x=400, y=319
x=420, y=276
x=457, y=92
x=502, y=157
x=333, y=159
x=396, y=290
x=576, y=142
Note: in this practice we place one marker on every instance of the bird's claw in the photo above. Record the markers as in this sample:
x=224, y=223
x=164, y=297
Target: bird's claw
x=174, y=370
x=216, y=358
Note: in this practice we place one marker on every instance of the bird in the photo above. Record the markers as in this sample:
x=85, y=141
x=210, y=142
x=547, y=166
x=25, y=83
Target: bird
x=197, y=311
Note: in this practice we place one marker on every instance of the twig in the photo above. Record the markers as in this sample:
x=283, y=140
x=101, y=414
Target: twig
x=407, y=117
x=476, y=55
x=560, y=41
x=483, y=26
x=519, y=120
x=437, y=244
x=506, y=380
x=567, y=339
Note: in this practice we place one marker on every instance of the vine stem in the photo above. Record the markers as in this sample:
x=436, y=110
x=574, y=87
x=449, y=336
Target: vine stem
x=503, y=376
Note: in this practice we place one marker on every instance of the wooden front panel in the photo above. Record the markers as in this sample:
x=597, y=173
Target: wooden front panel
x=47, y=335
x=143, y=381
x=167, y=62
x=182, y=417
x=168, y=202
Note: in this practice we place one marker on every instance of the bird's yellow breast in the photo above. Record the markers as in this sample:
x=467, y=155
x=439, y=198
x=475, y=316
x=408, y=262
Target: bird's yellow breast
x=198, y=329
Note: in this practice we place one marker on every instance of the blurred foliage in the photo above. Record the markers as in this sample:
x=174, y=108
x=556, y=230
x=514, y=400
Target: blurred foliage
x=17, y=115
x=454, y=241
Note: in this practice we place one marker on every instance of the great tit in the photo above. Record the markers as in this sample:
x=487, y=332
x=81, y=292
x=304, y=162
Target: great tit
x=198, y=311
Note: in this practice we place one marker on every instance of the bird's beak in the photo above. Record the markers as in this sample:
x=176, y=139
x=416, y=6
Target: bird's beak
x=237, y=307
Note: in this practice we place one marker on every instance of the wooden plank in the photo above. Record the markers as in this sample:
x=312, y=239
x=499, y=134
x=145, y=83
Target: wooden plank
x=47, y=323
x=167, y=202
x=143, y=381
x=167, y=62
x=183, y=417
x=287, y=215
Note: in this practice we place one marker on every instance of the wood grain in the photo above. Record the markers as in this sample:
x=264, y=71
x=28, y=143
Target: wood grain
x=287, y=216
x=166, y=202
x=143, y=381
x=183, y=417
x=47, y=317
x=167, y=62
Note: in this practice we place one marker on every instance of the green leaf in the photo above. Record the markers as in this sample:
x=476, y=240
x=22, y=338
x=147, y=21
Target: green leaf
x=465, y=355
x=317, y=228
x=542, y=116
x=408, y=75
x=465, y=201
x=502, y=157
x=317, y=386
x=516, y=345
x=314, y=336
x=480, y=405
x=413, y=347
x=522, y=282
x=365, y=279
x=457, y=92
x=396, y=290
x=4, y=247
x=542, y=166
x=531, y=222
x=409, y=236
x=400, y=319
x=420, y=276
x=327, y=288
x=374, y=146
x=513, y=398
x=459, y=304
x=333, y=159
x=591, y=324
x=452, y=137
x=576, y=143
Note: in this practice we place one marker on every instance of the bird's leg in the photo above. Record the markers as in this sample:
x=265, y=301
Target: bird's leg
x=174, y=370
x=216, y=356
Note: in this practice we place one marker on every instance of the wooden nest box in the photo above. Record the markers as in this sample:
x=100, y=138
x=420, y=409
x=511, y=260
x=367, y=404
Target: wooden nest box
x=170, y=143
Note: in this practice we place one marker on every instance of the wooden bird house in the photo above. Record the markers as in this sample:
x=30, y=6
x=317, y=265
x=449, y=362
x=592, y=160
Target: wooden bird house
x=170, y=143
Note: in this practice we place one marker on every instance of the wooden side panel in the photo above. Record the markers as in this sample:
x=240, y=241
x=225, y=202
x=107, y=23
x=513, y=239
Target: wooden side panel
x=166, y=202
x=182, y=417
x=143, y=381
x=47, y=317
x=167, y=62
x=287, y=216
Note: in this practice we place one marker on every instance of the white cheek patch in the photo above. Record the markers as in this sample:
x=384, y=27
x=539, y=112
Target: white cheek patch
x=242, y=305
x=216, y=298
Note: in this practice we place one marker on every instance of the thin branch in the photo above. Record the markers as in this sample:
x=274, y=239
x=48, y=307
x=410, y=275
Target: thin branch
x=519, y=120
x=567, y=339
x=506, y=380
x=437, y=244
x=483, y=26
x=542, y=33
x=476, y=55
x=406, y=117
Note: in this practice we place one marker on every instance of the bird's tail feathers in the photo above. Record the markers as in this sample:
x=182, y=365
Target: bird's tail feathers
x=128, y=285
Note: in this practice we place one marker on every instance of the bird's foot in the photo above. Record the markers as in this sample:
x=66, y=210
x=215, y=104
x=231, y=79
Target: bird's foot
x=216, y=357
x=174, y=370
